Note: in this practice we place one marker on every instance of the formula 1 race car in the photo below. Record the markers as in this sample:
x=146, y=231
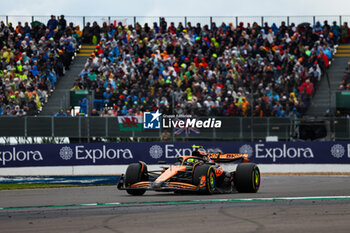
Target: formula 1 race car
x=200, y=172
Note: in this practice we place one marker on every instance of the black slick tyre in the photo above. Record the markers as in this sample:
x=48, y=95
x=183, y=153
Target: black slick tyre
x=209, y=173
x=135, y=173
x=247, y=178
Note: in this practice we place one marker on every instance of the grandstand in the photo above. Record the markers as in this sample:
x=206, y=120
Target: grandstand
x=215, y=66
x=34, y=58
x=222, y=71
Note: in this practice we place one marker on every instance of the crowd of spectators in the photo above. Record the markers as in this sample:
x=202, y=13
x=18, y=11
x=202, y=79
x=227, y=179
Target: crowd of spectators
x=345, y=33
x=345, y=84
x=207, y=70
x=33, y=58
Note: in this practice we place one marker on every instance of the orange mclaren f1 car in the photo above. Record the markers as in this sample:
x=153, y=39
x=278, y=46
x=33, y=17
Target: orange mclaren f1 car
x=200, y=172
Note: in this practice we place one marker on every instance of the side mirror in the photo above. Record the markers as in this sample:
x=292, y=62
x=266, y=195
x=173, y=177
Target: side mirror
x=161, y=162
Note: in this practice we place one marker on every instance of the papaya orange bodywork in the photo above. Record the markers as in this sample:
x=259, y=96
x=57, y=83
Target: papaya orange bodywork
x=170, y=172
x=142, y=184
x=180, y=185
x=182, y=176
x=202, y=182
x=226, y=156
x=219, y=171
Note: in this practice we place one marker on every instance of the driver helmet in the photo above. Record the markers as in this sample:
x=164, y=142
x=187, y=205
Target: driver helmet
x=191, y=161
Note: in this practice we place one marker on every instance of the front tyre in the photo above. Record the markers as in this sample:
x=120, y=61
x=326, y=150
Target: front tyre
x=135, y=173
x=247, y=178
x=208, y=173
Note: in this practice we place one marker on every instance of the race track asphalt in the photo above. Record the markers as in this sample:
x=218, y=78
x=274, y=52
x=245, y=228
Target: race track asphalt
x=314, y=204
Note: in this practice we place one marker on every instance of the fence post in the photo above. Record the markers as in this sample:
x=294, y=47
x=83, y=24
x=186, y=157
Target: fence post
x=214, y=133
x=134, y=21
x=314, y=19
x=83, y=21
x=88, y=128
x=160, y=19
x=7, y=20
x=32, y=18
x=106, y=126
x=64, y=101
x=340, y=20
x=25, y=127
x=160, y=133
x=79, y=128
x=211, y=20
x=109, y=20
x=268, y=127
x=185, y=21
x=262, y=21
x=236, y=21
x=240, y=128
x=67, y=99
x=287, y=20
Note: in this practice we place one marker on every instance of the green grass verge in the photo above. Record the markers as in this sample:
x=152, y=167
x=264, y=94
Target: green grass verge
x=35, y=186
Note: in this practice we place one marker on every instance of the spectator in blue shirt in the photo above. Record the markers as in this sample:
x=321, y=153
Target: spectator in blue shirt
x=83, y=106
x=60, y=113
x=51, y=77
x=107, y=94
x=52, y=23
x=84, y=72
x=317, y=27
x=68, y=46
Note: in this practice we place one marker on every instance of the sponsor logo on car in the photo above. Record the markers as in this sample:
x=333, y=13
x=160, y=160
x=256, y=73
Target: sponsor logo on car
x=170, y=151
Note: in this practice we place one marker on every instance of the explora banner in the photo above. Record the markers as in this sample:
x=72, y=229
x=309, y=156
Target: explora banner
x=152, y=152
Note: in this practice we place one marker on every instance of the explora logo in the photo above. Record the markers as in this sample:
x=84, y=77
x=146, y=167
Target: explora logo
x=151, y=120
x=261, y=152
x=81, y=153
x=14, y=155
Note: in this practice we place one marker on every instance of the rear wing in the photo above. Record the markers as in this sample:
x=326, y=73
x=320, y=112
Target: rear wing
x=229, y=157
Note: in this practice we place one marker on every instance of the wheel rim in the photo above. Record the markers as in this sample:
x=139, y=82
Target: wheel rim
x=256, y=178
x=212, y=181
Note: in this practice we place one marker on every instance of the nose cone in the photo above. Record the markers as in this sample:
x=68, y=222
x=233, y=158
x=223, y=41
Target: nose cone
x=156, y=185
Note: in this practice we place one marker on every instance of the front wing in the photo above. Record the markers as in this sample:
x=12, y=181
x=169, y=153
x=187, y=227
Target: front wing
x=164, y=186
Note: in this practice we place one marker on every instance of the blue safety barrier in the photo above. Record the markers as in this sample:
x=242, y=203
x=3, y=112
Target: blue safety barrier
x=152, y=152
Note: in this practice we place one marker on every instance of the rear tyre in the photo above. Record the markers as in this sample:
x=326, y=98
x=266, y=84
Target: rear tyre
x=247, y=178
x=208, y=172
x=135, y=173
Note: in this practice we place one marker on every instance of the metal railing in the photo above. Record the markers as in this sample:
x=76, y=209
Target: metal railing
x=233, y=128
x=203, y=20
